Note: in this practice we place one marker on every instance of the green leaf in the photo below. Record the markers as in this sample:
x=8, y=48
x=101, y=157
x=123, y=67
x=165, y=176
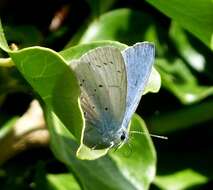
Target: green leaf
x=180, y=180
x=62, y=182
x=178, y=79
x=119, y=171
x=3, y=41
x=194, y=15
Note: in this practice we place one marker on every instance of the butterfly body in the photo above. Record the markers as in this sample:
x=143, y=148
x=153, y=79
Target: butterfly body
x=111, y=85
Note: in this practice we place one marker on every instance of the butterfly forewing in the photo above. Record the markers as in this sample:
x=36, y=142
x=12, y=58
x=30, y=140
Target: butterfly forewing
x=139, y=60
x=102, y=78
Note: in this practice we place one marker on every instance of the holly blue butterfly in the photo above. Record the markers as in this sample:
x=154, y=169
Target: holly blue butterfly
x=112, y=83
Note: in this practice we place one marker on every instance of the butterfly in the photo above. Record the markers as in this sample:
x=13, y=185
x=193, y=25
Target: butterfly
x=112, y=83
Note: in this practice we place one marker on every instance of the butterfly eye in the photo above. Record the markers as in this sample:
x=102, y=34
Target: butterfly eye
x=123, y=137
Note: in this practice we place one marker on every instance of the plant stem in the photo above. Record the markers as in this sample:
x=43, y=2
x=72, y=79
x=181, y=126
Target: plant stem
x=6, y=62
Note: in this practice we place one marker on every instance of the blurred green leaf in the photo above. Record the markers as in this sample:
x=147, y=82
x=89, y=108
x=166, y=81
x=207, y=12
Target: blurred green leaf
x=123, y=25
x=7, y=127
x=180, y=180
x=194, y=15
x=119, y=171
x=3, y=41
x=62, y=182
x=194, y=58
x=178, y=79
x=197, y=56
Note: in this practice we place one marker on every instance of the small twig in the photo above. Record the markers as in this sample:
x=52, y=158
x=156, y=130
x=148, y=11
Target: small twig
x=59, y=17
x=6, y=62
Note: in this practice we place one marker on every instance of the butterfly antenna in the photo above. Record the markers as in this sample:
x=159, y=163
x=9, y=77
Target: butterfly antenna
x=143, y=133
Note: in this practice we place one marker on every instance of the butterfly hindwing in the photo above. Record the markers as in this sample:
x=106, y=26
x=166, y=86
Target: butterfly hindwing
x=102, y=79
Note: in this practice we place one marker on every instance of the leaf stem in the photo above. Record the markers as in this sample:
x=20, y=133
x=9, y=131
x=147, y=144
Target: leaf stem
x=6, y=62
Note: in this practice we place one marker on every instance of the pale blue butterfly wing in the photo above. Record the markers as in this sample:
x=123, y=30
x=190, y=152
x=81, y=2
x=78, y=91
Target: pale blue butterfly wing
x=103, y=82
x=139, y=60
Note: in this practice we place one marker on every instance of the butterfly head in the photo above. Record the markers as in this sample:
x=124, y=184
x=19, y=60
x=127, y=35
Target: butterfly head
x=119, y=138
x=105, y=139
